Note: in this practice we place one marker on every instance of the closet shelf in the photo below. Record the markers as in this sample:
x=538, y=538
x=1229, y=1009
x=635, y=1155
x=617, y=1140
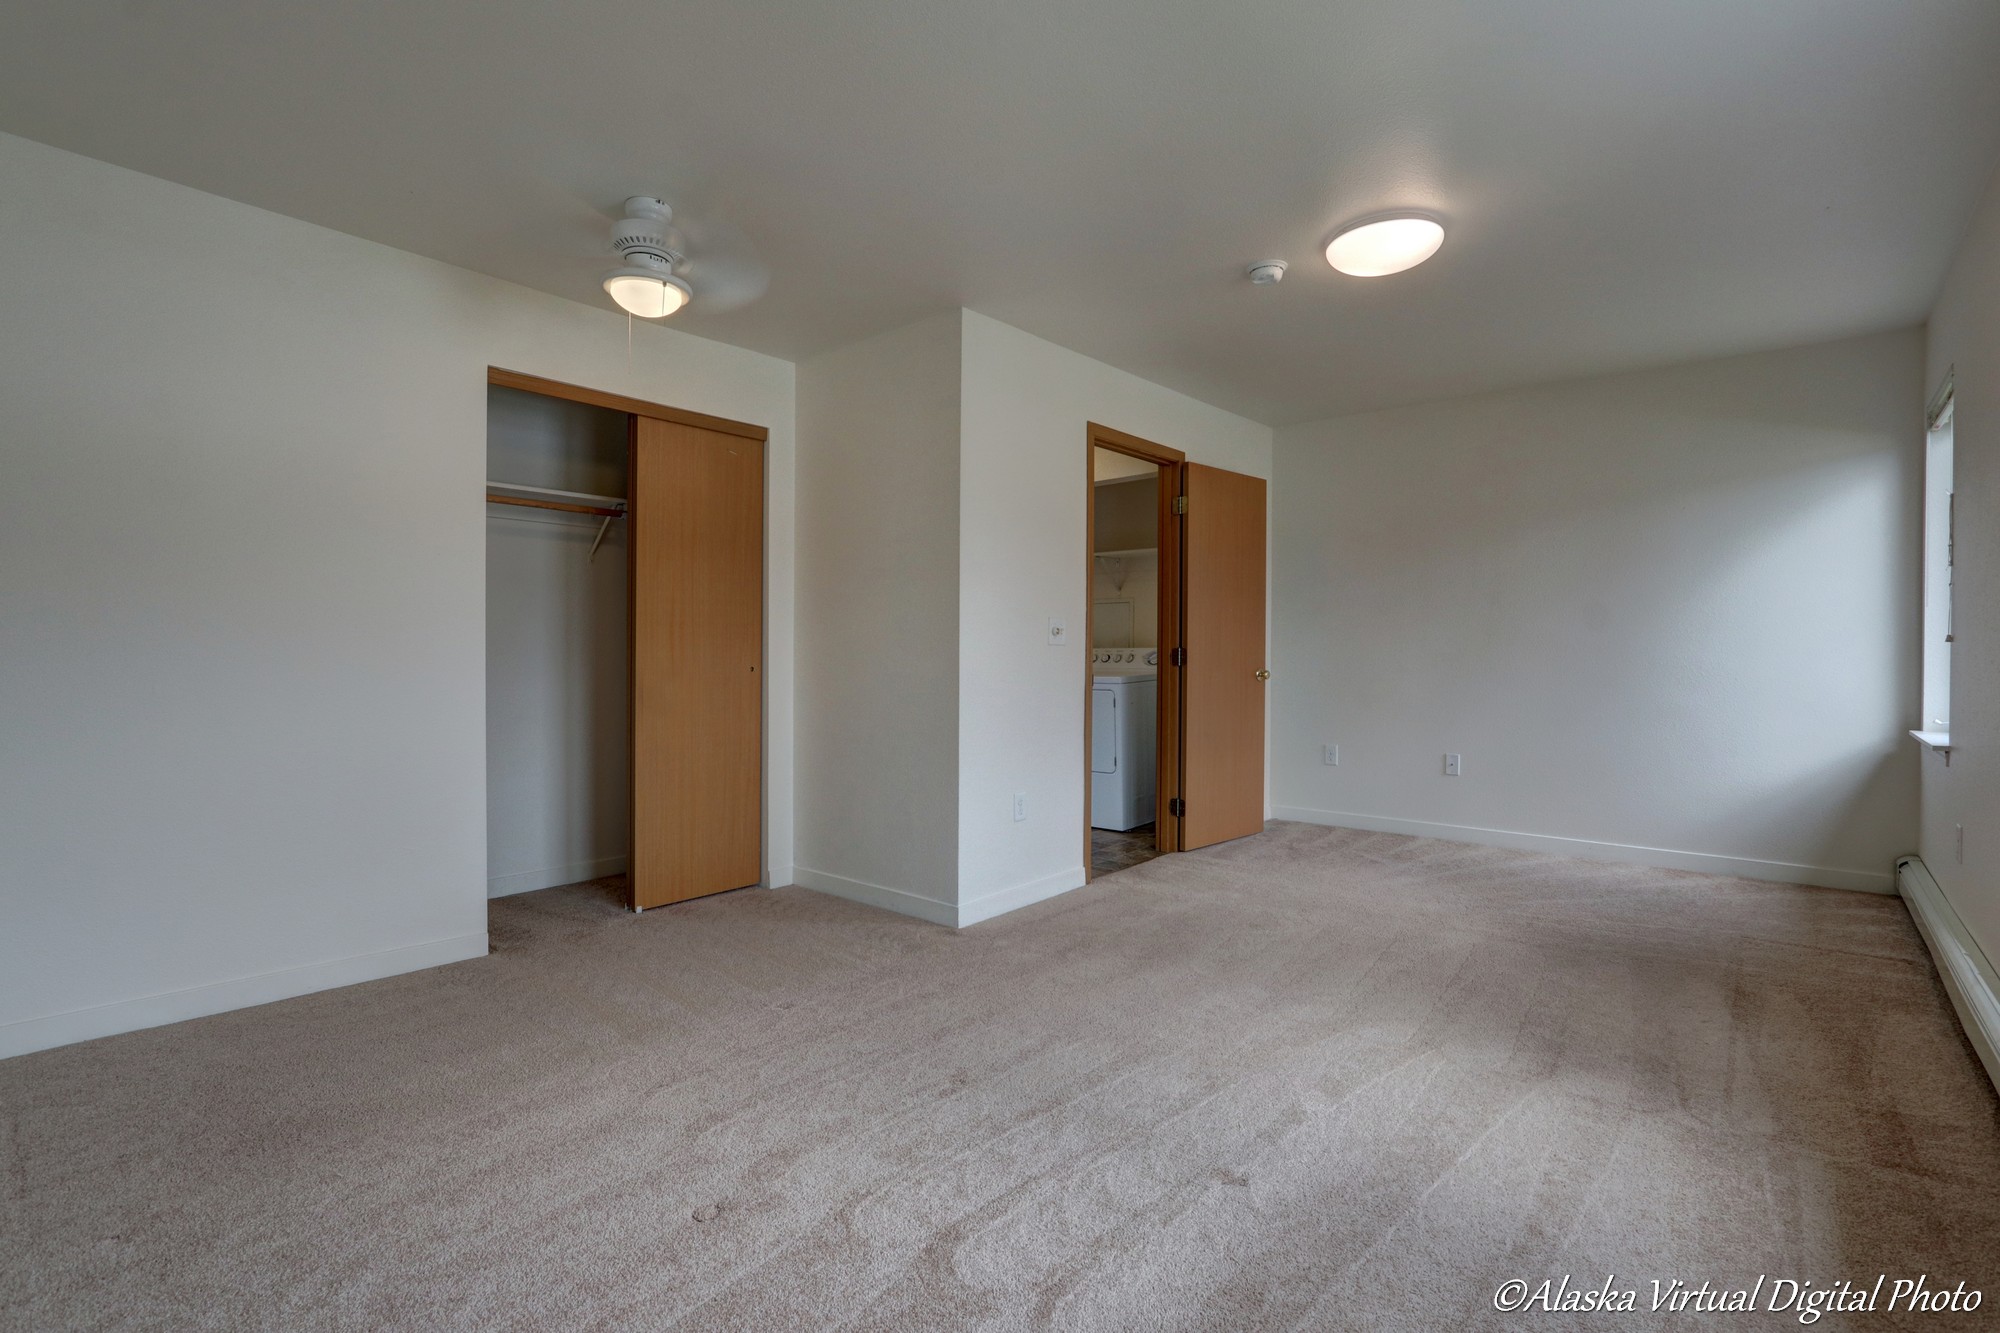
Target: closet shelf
x=1127, y=555
x=544, y=497
x=606, y=507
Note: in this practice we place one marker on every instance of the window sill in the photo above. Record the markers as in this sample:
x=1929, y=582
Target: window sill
x=1939, y=741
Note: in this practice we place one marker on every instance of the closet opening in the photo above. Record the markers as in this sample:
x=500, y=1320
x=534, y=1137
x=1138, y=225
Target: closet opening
x=625, y=639
x=558, y=644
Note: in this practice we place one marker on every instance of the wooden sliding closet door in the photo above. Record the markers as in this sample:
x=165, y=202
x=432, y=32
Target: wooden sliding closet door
x=697, y=544
x=1222, y=685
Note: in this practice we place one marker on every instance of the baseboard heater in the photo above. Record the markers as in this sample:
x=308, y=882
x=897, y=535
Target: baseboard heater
x=1968, y=976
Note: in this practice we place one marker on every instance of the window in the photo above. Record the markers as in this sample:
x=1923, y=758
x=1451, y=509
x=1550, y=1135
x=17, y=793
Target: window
x=1939, y=517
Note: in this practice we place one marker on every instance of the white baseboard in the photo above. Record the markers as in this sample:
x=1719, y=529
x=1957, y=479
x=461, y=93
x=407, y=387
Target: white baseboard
x=877, y=895
x=105, y=1020
x=779, y=877
x=1781, y=872
x=982, y=908
x=527, y=881
x=989, y=905
x=1967, y=973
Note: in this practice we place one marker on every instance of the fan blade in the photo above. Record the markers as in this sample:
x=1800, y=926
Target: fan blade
x=725, y=282
x=721, y=263
x=585, y=227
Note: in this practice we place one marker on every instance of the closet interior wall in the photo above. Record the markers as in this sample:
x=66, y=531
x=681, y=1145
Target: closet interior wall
x=558, y=731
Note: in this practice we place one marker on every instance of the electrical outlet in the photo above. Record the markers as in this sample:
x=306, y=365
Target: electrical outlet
x=1020, y=806
x=1452, y=767
x=1331, y=754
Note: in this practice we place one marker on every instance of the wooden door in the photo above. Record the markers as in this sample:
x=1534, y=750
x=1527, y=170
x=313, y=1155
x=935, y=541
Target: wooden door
x=1222, y=683
x=697, y=551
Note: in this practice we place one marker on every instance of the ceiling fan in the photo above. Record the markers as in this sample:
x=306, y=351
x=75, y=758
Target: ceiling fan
x=658, y=275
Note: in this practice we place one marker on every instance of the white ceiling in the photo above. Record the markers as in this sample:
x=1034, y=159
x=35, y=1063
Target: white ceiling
x=1624, y=183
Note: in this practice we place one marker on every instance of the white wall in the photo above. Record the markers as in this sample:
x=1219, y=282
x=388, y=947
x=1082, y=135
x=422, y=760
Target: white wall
x=1671, y=616
x=878, y=620
x=558, y=720
x=242, y=580
x=942, y=480
x=1132, y=584
x=535, y=440
x=1965, y=334
x=1126, y=587
x=1027, y=404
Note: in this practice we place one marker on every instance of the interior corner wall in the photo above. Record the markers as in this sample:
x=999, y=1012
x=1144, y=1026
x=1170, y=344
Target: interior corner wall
x=1027, y=406
x=878, y=620
x=1964, y=337
x=242, y=579
x=1669, y=617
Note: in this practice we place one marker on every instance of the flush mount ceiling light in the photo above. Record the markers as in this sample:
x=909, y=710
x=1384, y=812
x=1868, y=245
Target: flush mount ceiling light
x=1379, y=246
x=645, y=284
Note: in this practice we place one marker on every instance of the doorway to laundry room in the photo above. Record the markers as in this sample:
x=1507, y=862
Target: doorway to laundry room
x=1174, y=706
x=1130, y=596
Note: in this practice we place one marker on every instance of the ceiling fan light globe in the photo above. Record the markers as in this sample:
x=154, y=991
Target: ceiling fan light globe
x=645, y=292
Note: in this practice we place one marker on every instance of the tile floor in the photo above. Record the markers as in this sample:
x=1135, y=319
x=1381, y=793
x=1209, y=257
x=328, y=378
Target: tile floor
x=1111, y=850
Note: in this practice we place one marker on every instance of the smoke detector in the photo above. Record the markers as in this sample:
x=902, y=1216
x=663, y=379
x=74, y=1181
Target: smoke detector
x=1267, y=272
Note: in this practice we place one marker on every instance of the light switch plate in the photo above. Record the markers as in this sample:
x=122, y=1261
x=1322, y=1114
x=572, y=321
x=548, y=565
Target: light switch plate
x=1058, y=631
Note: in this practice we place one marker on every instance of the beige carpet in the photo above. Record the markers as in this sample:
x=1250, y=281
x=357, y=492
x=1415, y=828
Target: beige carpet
x=1315, y=1079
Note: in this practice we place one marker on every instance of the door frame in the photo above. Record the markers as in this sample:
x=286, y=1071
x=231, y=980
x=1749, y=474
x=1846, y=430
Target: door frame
x=1167, y=747
x=618, y=402
x=640, y=407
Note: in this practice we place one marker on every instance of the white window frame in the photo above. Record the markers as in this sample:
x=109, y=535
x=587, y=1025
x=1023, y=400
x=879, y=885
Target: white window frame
x=1940, y=537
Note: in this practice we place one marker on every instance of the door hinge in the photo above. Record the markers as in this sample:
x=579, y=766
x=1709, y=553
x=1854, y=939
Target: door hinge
x=1178, y=657
x=1180, y=504
x=1176, y=806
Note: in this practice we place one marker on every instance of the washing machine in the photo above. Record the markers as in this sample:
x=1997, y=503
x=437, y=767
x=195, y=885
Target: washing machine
x=1124, y=734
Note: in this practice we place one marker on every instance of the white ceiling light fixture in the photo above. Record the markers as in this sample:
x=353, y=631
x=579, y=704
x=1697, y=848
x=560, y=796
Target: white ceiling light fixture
x=645, y=284
x=1387, y=243
x=646, y=291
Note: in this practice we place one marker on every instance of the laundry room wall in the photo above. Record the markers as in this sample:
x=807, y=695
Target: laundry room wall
x=1125, y=583
x=1126, y=592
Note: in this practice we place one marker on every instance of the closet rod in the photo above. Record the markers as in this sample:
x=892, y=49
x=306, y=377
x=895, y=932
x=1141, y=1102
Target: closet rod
x=524, y=501
x=550, y=493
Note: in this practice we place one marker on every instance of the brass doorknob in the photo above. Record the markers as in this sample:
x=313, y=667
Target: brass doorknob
x=1263, y=675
